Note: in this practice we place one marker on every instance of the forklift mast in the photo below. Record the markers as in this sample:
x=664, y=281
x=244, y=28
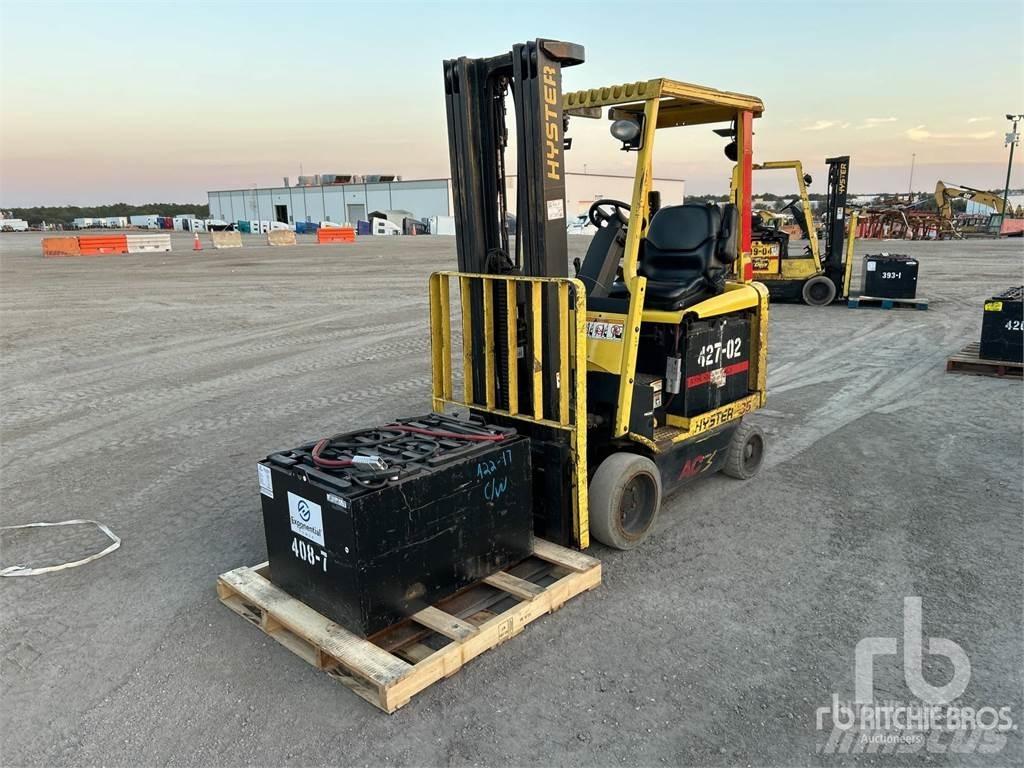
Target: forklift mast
x=478, y=134
x=835, y=216
x=475, y=91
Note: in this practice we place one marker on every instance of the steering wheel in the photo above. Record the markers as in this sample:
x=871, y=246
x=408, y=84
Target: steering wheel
x=790, y=204
x=602, y=218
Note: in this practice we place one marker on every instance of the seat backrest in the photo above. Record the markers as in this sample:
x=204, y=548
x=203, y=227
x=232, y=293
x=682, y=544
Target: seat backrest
x=681, y=242
x=728, y=235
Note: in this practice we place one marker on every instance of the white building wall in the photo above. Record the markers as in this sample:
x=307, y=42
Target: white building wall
x=582, y=189
x=423, y=198
x=335, y=203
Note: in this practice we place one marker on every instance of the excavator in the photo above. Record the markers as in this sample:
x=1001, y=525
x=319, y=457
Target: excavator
x=817, y=276
x=945, y=194
x=633, y=376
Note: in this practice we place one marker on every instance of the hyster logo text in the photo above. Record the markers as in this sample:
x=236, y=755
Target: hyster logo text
x=551, y=127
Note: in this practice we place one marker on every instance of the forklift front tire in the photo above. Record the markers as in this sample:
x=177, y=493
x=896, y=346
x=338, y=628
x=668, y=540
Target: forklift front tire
x=819, y=291
x=624, y=499
x=746, y=452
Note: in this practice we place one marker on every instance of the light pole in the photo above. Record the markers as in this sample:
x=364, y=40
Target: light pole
x=1011, y=139
x=910, y=184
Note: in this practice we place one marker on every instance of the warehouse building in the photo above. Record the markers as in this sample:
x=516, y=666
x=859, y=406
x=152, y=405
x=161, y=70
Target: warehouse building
x=331, y=202
x=425, y=198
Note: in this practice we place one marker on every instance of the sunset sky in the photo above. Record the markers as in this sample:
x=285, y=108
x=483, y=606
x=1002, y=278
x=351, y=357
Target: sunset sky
x=142, y=102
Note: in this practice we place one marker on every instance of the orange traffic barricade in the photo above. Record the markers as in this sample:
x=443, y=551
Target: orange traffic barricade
x=94, y=245
x=335, y=235
x=61, y=246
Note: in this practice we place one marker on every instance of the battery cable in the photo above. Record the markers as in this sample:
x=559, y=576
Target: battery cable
x=317, y=453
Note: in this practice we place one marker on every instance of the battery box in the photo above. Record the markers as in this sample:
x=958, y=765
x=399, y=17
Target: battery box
x=716, y=364
x=889, y=276
x=431, y=505
x=1002, y=327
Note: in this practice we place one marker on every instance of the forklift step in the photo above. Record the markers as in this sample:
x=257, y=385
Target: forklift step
x=392, y=666
x=969, y=361
x=866, y=302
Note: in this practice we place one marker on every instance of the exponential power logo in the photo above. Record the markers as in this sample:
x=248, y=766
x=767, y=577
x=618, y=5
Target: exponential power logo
x=305, y=518
x=931, y=722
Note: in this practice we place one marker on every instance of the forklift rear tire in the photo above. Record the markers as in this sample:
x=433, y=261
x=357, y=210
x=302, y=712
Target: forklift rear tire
x=624, y=499
x=819, y=291
x=746, y=452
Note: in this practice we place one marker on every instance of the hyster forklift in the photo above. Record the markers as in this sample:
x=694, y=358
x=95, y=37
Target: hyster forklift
x=632, y=377
x=815, y=276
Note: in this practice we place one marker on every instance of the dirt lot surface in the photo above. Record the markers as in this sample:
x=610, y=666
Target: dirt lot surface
x=140, y=391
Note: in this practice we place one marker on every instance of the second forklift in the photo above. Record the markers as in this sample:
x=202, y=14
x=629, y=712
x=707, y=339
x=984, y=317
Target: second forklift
x=817, y=276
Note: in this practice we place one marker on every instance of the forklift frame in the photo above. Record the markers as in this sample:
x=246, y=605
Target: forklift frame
x=526, y=351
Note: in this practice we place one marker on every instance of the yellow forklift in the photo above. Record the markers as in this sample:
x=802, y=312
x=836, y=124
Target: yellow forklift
x=816, y=276
x=633, y=376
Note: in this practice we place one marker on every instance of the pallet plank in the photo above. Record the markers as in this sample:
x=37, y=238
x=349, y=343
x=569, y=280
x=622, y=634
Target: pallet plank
x=567, y=558
x=524, y=590
x=875, y=302
x=968, y=360
x=351, y=650
x=444, y=623
x=383, y=678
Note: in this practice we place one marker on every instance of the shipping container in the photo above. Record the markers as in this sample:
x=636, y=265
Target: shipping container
x=146, y=221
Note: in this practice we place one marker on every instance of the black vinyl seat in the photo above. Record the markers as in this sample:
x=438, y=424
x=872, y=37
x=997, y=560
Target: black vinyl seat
x=686, y=254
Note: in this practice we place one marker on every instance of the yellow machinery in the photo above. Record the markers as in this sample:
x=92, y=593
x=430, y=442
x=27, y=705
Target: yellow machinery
x=632, y=377
x=815, y=276
x=946, y=193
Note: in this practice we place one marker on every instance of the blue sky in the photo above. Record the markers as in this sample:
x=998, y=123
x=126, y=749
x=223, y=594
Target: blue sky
x=146, y=101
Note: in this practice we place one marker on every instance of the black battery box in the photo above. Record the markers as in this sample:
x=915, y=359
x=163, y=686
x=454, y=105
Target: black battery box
x=716, y=365
x=889, y=276
x=1002, y=327
x=372, y=526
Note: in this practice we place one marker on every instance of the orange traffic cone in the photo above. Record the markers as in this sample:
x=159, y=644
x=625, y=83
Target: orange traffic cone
x=196, y=245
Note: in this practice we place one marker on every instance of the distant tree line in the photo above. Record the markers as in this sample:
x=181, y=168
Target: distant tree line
x=65, y=214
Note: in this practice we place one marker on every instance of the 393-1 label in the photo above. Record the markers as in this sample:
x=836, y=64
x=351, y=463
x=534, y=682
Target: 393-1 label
x=891, y=275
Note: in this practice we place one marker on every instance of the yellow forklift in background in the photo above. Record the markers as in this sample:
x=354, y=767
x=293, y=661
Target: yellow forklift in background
x=632, y=377
x=817, y=276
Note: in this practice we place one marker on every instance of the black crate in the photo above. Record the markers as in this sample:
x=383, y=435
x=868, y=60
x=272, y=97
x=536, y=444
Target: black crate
x=889, y=276
x=716, y=364
x=368, y=547
x=1002, y=327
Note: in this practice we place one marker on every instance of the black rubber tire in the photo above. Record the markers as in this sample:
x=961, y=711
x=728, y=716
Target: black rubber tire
x=624, y=499
x=746, y=452
x=819, y=291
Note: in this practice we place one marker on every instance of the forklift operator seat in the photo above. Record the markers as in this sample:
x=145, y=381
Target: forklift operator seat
x=686, y=254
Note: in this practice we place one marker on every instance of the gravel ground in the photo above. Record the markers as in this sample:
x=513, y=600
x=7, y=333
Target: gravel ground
x=140, y=390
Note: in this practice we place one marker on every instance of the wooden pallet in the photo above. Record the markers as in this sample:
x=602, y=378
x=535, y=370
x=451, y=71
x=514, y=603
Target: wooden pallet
x=394, y=665
x=969, y=360
x=872, y=302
